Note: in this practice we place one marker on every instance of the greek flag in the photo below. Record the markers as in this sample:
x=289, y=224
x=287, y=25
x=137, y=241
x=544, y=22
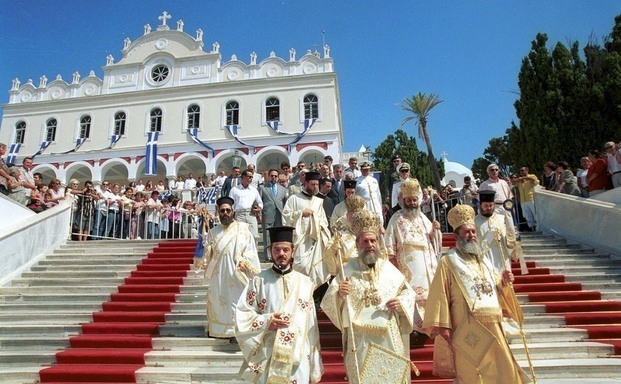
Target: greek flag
x=151, y=155
x=233, y=131
x=43, y=147
x=308, y=123
x=207, y=195
x=194, y=134
x=114, y=140
x=13, y=151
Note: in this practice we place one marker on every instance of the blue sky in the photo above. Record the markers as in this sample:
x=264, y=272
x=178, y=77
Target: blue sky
x=467, y=52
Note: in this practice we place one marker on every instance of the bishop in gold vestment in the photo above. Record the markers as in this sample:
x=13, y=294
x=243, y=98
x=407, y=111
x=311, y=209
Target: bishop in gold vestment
x=464, y=309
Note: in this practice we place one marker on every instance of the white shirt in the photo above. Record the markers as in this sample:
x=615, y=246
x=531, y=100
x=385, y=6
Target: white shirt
x=220, y=181
x=190, y=183
x=179, y=185
x=613, y=164
x=245, y=198
x=26, y=175
x=502, y=189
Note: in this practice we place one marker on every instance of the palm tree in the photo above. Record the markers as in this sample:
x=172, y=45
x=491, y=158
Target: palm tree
x=419, y=106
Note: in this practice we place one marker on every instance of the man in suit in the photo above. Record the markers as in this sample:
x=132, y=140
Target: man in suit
x=325, y=186
x=231, y=181
x=274, y=196
x=337, y=193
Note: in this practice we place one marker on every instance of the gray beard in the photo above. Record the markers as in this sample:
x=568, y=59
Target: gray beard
x=473, y=248
x=411, y=212
x=369, y=258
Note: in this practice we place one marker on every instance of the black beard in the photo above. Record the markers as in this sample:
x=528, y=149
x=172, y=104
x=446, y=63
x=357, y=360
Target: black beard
x=226, y=220
x=471, y=248
x=487, y=214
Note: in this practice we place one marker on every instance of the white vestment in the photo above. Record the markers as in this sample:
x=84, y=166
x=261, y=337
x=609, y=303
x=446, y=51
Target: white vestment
x=225, y=249
x=408, y=239
x=496, y=235
x=310, y=237
x=287, y=355
x=371, y=321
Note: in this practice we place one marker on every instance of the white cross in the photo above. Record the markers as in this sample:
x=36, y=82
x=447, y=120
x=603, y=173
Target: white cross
x=444, y=155
x=165, y=16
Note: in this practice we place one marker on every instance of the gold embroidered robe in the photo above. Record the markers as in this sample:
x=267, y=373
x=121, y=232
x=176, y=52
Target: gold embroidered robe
x=453, y=303
x=372, y=323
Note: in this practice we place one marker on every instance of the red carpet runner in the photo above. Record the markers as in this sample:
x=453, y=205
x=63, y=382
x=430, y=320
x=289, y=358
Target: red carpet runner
x=112, y=347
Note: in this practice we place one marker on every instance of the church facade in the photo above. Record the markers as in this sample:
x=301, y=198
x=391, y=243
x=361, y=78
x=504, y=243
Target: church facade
x=170, y=102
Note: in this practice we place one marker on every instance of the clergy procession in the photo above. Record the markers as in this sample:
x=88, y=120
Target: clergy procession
x=384, y=281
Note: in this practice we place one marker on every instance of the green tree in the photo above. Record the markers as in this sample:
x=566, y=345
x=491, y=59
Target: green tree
x=400, y=143
x=419, y=107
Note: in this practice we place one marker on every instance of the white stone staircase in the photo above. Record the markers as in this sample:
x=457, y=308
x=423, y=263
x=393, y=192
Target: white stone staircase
x=45, y=306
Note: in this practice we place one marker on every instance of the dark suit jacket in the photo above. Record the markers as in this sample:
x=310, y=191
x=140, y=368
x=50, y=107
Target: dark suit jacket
x=337, y=194
x=228, y=185
x=328, y=205
x=272, y=207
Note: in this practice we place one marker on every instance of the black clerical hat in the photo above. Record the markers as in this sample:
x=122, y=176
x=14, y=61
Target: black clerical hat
x=225, y=200
x=349, y=184
x=279, y=234
x=487, y=196
x=312, y=175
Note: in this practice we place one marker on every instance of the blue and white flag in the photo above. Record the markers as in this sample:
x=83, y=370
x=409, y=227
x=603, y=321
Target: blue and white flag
x=194, y=134
x=308, y=123
x=43, y=147
x=207, y=195
x=115, y=139
x=13, y=151
x=151, y=155
x=274, y=125
x=233, y=131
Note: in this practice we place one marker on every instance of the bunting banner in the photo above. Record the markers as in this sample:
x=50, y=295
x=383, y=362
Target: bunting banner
x=13, y=151
x=207, y=195
x=233, y=131
x=308, y=123
x=78, y=144
x=113, y=140
x=274, y=125
x=43, y=147
x=194, y=134
x=151, y=154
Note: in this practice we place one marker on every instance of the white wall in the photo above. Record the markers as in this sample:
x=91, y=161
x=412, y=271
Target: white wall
x=587, y=221
x=23, y=242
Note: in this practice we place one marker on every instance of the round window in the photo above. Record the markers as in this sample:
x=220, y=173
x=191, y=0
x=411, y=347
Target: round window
x=160, y=73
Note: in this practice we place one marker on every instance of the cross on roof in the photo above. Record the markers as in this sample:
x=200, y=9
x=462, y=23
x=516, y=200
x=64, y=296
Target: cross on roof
x=444, y=155
x=165, y=17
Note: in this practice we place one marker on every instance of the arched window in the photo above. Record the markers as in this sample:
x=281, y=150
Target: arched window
x=20, y=132
x=272, y=109
x=50, y=130
x=194, y=116
x=155, y=123
x=85, y=127
x=232, y=113
x=119, y=123
x=311, y=107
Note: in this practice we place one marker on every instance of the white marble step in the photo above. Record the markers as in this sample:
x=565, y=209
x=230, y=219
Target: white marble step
x=83, y=281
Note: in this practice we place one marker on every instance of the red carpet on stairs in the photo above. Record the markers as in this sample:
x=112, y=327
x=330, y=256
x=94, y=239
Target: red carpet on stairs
x=113, y=347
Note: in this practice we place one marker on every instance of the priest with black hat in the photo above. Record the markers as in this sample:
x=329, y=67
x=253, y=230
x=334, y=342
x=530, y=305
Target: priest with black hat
x=231, y=260
x=276, y=322
x=304, y=211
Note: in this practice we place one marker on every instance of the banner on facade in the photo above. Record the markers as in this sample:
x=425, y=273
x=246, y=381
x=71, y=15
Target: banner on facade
x=42, y=148
x=233, y=131
x=194, y=134
x=13, y=151
x=151, y=154
x=308, y=123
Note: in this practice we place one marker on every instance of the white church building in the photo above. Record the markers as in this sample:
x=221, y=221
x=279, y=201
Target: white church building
x=203, y=113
